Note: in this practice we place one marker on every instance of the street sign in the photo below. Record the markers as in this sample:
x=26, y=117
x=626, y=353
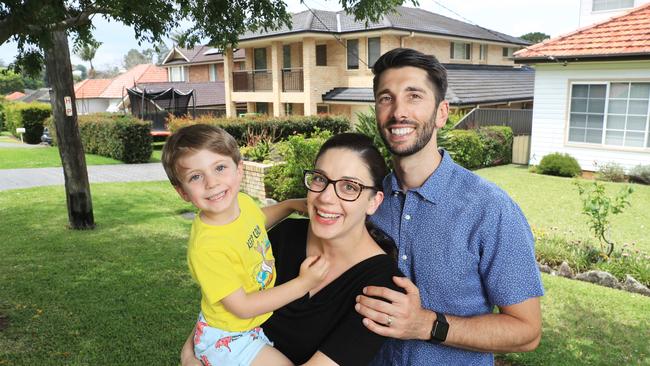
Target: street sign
x=68, y=106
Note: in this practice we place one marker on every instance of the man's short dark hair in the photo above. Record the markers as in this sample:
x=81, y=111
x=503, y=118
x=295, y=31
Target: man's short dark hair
x=401, y=57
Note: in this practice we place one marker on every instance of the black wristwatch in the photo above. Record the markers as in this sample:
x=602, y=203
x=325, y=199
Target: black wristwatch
x=439, y=330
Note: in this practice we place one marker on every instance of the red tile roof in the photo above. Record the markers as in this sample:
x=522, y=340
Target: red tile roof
x=138, y=74
x=14, y=95
x=90, y=88
x=623, y=36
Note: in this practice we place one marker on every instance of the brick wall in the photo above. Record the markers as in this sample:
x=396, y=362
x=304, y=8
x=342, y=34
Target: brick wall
x=199, y=73
x=253, y=180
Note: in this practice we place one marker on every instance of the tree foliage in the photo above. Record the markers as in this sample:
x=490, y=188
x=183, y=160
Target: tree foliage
x=10, y=82
x=135, y=57
x=86, y=52
x=535, y=37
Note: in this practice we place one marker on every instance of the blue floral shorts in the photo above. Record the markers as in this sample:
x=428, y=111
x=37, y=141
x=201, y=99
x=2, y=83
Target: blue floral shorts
x=214, y=346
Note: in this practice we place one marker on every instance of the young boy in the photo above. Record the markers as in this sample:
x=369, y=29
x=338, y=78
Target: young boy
x=229, y=254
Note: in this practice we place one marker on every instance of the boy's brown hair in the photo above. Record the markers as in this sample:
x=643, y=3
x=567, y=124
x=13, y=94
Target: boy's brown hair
x=193, y=138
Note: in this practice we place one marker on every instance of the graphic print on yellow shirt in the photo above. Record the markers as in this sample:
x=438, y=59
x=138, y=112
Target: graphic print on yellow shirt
x=225, y=258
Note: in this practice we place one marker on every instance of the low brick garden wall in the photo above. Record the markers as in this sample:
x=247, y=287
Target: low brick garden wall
x=253, y=181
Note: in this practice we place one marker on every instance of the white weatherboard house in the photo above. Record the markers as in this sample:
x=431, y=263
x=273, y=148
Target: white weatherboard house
x=592, y=92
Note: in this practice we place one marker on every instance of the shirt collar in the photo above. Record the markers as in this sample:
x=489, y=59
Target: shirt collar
x=431, y=190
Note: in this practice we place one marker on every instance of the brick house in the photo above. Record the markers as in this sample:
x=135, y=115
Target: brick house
x=323, y=63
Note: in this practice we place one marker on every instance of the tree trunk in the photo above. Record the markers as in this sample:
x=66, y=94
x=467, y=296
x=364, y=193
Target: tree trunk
x=77, y=188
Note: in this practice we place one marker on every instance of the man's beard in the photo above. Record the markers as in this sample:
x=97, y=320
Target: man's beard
x=423, y=136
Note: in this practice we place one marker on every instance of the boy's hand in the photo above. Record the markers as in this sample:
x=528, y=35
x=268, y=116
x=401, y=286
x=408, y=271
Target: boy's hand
x=299, y=205
x=313, y=271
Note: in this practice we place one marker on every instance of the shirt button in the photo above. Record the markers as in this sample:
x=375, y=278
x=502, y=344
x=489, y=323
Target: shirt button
x=404, y=257
x=407, y=216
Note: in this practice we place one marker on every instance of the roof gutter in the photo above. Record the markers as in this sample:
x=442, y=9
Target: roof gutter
x=582, y=58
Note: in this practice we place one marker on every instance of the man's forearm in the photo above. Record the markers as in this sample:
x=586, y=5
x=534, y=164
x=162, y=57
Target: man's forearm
x=512, y=330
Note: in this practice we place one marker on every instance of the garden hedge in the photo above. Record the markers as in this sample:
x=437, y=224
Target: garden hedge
x=117, y=136
x=278, y=128
x=563, y=165
x=30, y=116
x=465, y=148
x=497, y=145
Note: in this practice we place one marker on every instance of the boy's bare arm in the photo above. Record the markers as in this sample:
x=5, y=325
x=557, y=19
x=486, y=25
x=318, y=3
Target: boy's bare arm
x=312, y=272
x=275, y=213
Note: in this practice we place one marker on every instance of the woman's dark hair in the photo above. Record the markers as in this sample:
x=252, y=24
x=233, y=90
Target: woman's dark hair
x=368, y=152
x=363, y=146
x=401, y=57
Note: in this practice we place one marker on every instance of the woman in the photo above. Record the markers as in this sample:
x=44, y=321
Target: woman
x=322, y=328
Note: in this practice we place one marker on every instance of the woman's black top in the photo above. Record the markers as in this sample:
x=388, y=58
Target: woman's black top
x=327, y=321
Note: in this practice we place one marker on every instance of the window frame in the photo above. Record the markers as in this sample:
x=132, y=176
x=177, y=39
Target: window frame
x=482, y=52
x=371, y=63
x=255, y=55
x=326, y=106
x=212, y=72
x=606, y=116
x=286, y=57
x=182, y=73
x=323, y=56
x=467, y=50
x=609, y=7
x=354, y=66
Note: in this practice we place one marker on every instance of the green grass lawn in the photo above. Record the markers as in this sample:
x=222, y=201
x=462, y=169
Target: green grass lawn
x=15, y=158
x=552, y=205
x=121, y=294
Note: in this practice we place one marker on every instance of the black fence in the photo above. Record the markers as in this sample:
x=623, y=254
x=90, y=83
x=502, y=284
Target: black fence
x=520, y=120
x=292, y=80
x=248, y=81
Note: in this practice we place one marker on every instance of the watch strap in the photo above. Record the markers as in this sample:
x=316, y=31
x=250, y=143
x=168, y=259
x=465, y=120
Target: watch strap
x=440, y=329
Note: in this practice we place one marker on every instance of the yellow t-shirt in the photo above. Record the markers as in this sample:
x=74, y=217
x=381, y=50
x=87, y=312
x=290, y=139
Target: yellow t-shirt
x=224, y=258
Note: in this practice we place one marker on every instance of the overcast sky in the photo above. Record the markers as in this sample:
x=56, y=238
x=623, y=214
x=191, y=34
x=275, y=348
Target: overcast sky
x=513, y=17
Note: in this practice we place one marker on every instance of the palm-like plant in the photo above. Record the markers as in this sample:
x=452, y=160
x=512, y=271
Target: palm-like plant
x=86, y=52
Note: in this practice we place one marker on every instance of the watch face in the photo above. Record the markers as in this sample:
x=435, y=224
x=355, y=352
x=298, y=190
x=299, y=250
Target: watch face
x=440, y=329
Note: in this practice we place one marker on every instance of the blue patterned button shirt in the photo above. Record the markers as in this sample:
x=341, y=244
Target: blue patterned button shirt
x=466, y=245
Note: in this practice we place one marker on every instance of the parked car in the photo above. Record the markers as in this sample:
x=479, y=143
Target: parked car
x=46, y=138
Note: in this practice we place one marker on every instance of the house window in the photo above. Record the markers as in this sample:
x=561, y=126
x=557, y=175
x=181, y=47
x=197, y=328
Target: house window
x=288, y=109
x=286, y=56
x=262, y=108
x=321, y=55
x=240, y=65
x=614, y=114
x=460, y=51
x=322, y=109
x=507, y=52
x=213, y=72
x=353, y=54
x=259, y=59
x=598, y=5
x=374, y=50
x=482, y=54
x=177, y=73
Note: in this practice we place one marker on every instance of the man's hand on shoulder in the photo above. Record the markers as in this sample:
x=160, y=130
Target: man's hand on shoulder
x=394, y=314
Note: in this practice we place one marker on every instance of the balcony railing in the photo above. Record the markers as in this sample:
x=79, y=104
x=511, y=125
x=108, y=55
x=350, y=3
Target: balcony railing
x=292, y=80
x=247, y=81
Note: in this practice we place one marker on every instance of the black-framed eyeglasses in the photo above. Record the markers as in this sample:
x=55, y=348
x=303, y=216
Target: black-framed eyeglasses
x=345, y=189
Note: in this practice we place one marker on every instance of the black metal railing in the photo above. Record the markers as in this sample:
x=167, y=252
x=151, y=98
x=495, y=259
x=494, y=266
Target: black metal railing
x=256, y=80
x=292, y=80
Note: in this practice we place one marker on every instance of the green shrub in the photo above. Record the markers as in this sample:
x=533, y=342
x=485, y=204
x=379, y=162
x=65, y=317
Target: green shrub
x=640, y=174
x=465, y=148
x=117, y=136
x=280, y=127
x=3, y=102
x=497, y=145
x=611, y=172
x=563, y=165
x=284, y=181
x=30, y=116
x=367, y=125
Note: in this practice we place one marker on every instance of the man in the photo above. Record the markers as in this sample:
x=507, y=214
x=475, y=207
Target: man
x=464, y=245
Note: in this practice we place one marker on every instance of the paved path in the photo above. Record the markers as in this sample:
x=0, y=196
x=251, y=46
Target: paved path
x=34, y=177
x=19, y=145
